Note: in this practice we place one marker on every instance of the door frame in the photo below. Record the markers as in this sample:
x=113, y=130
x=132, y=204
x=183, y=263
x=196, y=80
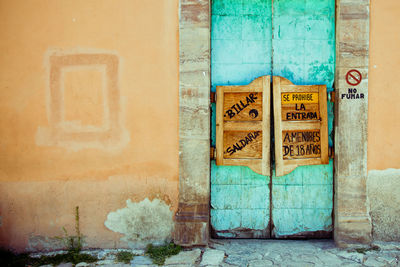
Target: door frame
x=352, y=223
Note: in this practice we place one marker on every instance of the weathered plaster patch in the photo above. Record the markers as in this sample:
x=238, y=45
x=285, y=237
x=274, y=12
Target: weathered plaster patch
x=143, y=222
x=383, y=188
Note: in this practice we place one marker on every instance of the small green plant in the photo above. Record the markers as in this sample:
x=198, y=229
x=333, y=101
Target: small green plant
x=73, y=243
x=124, y=256
x=159, y=253
x=9, y=259
x=366, y=249
x=73, y=257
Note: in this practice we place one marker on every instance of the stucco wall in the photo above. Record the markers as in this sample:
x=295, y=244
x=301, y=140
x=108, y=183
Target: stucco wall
x=89, y=118
x=384, y=197
x=383, y=184
x=384, y=93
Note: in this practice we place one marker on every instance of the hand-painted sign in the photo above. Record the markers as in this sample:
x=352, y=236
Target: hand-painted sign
x=300, y=106
x=352, y=94
x=301, y=143
x=353, y=77
x=301, y=129
x=243, y=125
x=243, y=144
x=243, y=106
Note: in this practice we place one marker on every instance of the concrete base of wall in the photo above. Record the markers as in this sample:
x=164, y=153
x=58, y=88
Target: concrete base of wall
x=383, y=189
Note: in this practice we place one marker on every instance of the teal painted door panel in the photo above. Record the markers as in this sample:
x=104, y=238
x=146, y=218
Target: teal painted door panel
x=302, y=38
x=302, y=202
x=241, y=42
x=304, y=52
x=239, y=202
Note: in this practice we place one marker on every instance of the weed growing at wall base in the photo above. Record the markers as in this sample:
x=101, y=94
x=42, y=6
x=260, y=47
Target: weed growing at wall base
x=159, y=253
x=9, y=259
x=125, y=256
x=73, y=243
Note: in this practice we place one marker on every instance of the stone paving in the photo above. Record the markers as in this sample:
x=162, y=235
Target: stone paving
x=258, y=253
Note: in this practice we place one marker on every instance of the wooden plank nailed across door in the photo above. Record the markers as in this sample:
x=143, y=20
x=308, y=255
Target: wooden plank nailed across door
x=301, y=127
x=243, y=125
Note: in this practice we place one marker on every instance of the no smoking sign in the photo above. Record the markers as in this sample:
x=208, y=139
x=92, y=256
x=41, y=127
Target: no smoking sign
x=353, y=77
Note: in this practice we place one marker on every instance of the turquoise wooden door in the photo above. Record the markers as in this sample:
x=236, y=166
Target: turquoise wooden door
x=294, y=39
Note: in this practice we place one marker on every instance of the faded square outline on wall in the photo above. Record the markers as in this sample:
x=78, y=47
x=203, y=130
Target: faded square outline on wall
x=71, y=134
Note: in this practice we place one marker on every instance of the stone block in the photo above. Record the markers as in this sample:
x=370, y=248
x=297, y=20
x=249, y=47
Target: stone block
x=353, y=48
x=194, y=170
x=194, y=96
x=191, y=233
x=353, y=30
x=189, y=50
x=194, y=122
x=351, y=230
x=194, y=65
x=347, y=59
x=212, y=257
x=194, y=34
x=141, y=260
x=260, y=263
x=351, y=11
x=184, y=257
x=350, y=196
x=196, y=212
x=197, y=78
x=354, y=2
x=195, y=13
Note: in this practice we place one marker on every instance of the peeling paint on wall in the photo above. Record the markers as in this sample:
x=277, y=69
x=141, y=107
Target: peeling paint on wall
x=143, y=222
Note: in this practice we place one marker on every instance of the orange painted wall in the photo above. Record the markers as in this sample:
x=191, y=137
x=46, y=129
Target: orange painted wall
x=384, y=92
x=41, y=181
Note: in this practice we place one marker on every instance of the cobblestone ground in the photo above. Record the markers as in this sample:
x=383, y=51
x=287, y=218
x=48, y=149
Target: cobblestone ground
x=258, y=253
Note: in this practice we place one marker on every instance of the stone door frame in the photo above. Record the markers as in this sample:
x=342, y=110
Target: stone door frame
x=352, y=224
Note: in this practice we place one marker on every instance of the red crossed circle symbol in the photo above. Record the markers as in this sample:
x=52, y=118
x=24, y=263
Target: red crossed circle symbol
x=353, y=77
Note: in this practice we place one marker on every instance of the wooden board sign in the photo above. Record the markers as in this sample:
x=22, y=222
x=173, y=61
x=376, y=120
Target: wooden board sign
x=243, y=106
x=243, y=125
x=301, y=126
x=300, y=106
x=300, y=144
x=243, y=144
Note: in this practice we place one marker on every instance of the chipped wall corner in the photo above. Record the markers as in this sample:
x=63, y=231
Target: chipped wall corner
x=142, y=222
